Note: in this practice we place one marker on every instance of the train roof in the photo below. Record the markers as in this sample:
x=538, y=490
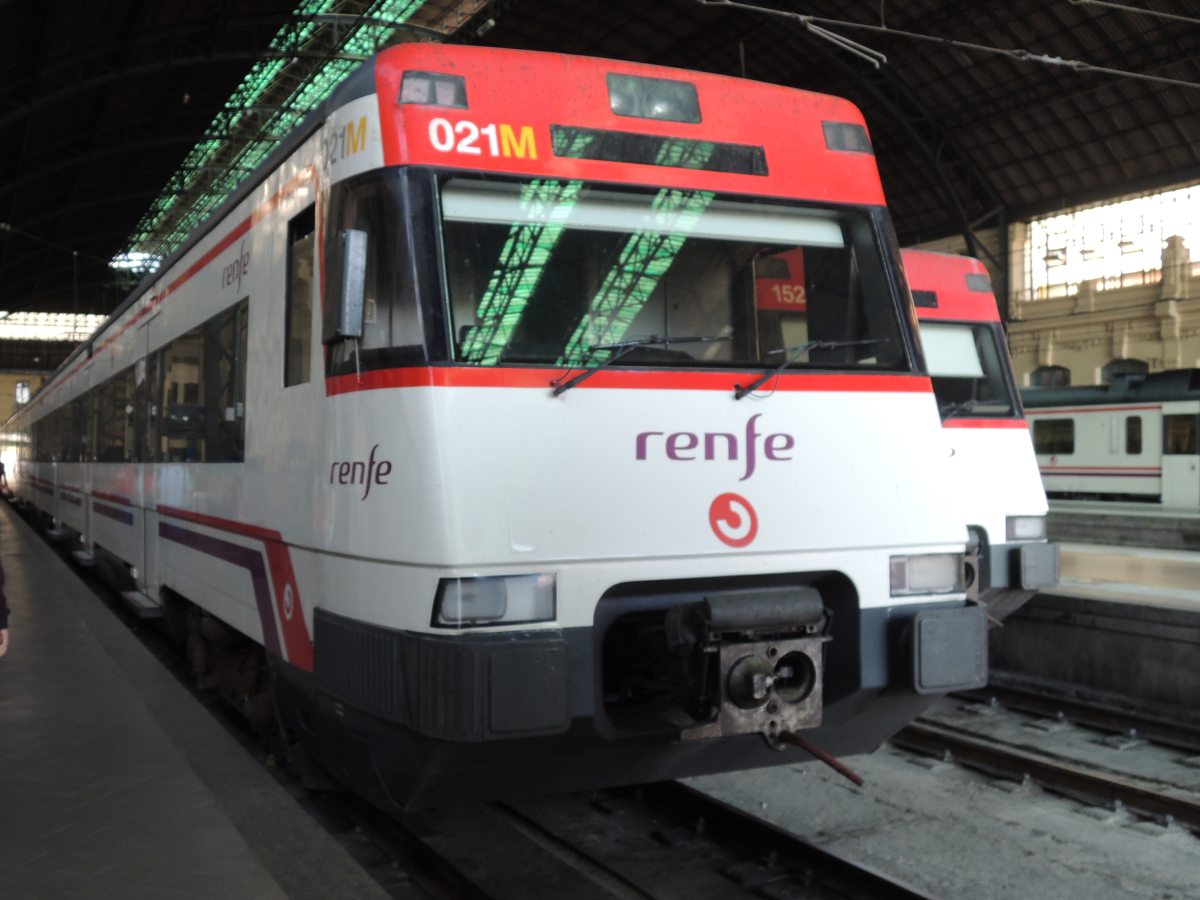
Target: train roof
x=946, y=286
x=1159, y=387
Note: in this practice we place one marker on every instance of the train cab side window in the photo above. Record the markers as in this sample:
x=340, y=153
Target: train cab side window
x=1054, y=436
x=1133, y=435
x=392, y=331
x=1179, y=435
x=298, y=317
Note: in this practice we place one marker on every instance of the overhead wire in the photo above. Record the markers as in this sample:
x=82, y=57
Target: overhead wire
x=818, y=26
x=1174, y=17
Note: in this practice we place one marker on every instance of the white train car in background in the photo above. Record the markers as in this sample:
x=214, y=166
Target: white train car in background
x=1132, y=440
x=992, y=461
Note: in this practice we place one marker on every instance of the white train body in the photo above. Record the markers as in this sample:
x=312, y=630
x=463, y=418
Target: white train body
x=992, y=462
x=353, y=512
x=1132, y=440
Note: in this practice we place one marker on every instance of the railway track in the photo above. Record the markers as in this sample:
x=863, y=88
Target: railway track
x=655, y=842
x=1096, y=755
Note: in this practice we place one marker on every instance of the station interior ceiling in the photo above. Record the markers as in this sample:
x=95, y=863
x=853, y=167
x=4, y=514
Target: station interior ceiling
x=981, y=114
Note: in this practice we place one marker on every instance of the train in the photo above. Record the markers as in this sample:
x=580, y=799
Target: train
x=992, y=458
x=530, y=423
x=1133, y=440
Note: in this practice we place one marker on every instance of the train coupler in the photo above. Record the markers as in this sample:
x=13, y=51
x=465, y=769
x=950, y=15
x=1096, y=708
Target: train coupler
x=756, y=661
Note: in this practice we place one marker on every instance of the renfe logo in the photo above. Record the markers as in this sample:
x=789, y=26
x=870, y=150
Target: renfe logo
x=359, y=472
x=685, y=446
x=733, y=520
x=231, y=275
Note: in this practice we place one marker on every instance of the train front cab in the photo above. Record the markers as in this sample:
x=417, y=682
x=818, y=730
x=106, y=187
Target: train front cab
x=992, y=457
x=732, y=556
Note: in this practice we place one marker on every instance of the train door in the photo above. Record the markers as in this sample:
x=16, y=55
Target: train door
x=1181, y=456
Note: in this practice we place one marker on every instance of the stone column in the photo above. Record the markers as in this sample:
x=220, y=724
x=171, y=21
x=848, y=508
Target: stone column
x=1175, y=287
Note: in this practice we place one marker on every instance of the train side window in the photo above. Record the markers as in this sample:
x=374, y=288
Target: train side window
x=151, y=397
x=80, y=427
x=1133, y=435
x=392, y=330
x=181, y=422
x=114, y=419
x=1179, y=435
x=1054, y=436
x=298, y=317
x=225, y=388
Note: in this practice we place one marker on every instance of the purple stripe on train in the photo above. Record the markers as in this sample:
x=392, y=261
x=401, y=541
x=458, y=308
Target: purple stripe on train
x=111, y=512
x=245, y=557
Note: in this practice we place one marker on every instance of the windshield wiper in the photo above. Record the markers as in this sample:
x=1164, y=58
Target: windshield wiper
x=790, y=355
x=623, y=347
x=955, y=409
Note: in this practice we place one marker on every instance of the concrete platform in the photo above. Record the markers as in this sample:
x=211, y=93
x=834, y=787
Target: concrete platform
x=1124, y=524
x=115, y=782
x=1140, y=575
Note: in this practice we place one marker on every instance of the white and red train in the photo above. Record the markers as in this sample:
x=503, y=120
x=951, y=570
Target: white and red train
x=1132, y=440
x=531, y=422
x=992, y=461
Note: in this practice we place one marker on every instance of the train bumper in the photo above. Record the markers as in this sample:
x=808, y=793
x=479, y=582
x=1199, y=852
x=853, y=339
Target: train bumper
x=456, y=688
x=416, y=719
x=1016, y=572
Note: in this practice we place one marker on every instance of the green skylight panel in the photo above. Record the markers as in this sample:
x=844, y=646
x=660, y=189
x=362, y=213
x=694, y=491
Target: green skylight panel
x=644, y=260
x=156, y=232
x=518, y=272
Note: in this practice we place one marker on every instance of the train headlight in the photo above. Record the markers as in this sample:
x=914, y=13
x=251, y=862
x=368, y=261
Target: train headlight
x=494, y=600
x=653, y=98
x=1026, y=528
x=931, y=573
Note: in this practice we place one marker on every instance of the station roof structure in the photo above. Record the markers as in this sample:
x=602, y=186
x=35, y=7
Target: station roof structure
x=120, y=120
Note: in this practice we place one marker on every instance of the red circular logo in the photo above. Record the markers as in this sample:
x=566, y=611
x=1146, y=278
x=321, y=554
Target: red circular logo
x=733, y=520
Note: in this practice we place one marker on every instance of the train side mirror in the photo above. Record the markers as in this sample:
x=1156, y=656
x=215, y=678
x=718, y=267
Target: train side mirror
x=344, y=316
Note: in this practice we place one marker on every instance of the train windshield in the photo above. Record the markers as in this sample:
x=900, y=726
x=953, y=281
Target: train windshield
x=967, y=365
x=565, y=273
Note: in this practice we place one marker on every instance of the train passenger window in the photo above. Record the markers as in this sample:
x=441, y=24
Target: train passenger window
x=562, y=273
x=181, y=418
x=1179, y=434
x=150, y=402
x=114, y=420
x=203, y=407
x=1133, y=435
x=81, y=432
x=298, y=316
x=1054, y=436
x=392, y=331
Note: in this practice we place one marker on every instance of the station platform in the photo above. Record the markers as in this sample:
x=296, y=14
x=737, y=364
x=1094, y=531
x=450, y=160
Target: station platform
x=115, y=781
x=1139, y=575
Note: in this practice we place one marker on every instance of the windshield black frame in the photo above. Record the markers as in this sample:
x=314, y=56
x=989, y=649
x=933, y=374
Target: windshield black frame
x=867, y=231
x=977, y=398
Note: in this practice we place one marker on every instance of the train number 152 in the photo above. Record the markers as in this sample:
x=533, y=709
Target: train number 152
x=476, y=140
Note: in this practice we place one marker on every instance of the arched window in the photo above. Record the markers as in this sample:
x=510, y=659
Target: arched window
x=1119, y=367
x=1050, y=376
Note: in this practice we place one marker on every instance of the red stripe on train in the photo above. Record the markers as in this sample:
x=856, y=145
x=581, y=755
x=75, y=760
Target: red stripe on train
x=620, y=379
